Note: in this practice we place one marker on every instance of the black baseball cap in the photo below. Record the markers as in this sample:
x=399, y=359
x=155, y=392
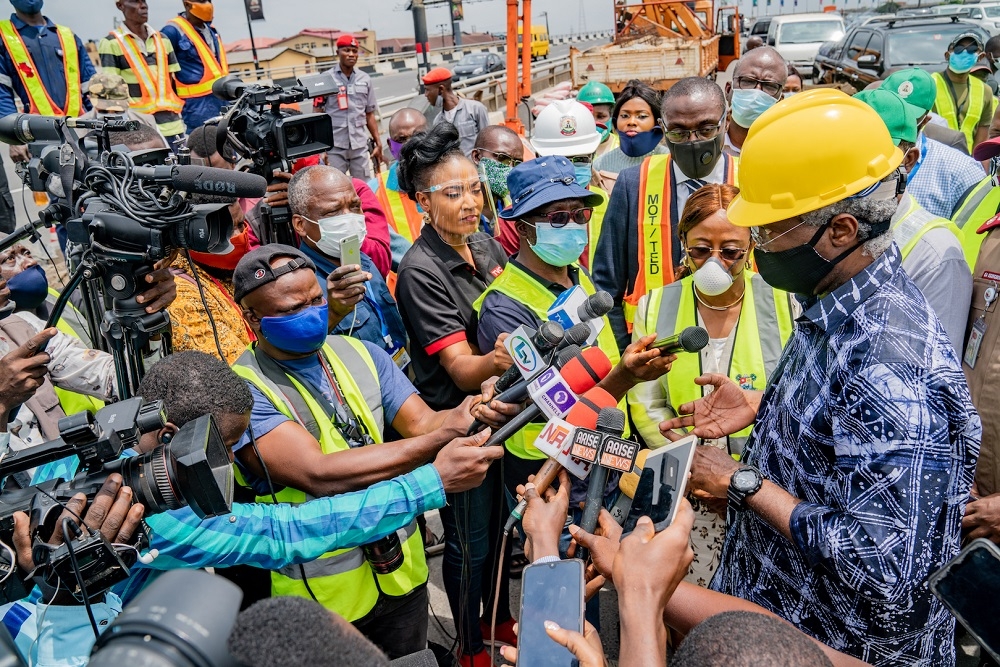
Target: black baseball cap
x=254, y=270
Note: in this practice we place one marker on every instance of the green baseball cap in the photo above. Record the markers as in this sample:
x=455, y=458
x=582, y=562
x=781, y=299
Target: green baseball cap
x=914, y=85
x=899, y=116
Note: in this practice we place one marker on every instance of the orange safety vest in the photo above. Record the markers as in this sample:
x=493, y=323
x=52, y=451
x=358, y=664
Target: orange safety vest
x=38, y=97
x=157, y=93
x=400, y=210
x=213, y=68
x=656, y=222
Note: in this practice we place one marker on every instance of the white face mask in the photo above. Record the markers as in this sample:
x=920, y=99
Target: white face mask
x=712, y=279
x=335, y=229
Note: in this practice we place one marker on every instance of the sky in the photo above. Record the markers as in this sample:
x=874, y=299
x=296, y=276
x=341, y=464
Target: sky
x=92, y=19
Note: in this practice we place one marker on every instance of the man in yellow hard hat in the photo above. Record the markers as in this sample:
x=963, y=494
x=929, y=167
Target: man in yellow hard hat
x=854, y=481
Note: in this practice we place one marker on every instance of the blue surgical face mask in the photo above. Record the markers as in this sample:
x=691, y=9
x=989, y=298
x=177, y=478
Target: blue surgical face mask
x=29, y=288
x=960, y=63
x=559, y=247
x=583, y=174
x=642, y=143
x=27, y=6
x=300, y=333
x=748, y=105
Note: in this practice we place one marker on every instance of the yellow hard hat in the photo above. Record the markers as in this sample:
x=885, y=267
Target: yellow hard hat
x=809, y=151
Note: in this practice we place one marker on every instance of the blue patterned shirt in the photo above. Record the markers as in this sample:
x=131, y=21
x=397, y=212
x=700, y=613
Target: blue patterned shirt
x=867, y=420
x=942, y=177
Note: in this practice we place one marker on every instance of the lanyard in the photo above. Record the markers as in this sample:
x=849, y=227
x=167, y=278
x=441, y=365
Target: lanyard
x=922, y=145
x=351, y=428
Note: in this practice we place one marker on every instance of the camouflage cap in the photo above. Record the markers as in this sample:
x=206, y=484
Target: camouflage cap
x=108, y=92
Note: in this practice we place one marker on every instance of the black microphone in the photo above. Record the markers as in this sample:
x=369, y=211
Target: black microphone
x=575, y=335
x=18, y=129
x=597, y=305
x=610, y=422
x=202, y=180
x=548, y=336
x=691, y=339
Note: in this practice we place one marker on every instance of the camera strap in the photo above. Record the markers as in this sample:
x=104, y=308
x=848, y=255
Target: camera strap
x=276, y=374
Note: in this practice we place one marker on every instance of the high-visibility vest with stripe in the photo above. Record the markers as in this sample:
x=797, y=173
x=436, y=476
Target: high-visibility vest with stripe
x=530, y=293
x=765, y=325
x=981, y=204
x=157, y=92
x=945, y=106
x=342, y=580
x=595, y=224
x=656, y=226
x=39, y=100
x=401, y=211
x=212, y=68
x=74, y=324
x=916, y=222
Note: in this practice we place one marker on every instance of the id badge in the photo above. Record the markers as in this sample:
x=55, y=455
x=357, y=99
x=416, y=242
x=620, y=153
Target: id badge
x=975, y=341
x=402, y=358
x=342, y=99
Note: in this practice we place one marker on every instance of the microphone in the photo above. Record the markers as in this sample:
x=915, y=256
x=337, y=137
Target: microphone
x=574, y=307
x=556, y=440
x=18, y=129
x=202, y=180
x=628, y=484
x=546, y=339
x=518, y=392
x=691, y=339
x=596, y=305
x=554, y=393
x=614, y=453
x=575, y=335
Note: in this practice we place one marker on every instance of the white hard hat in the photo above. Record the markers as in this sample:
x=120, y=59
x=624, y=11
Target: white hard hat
x=565, y=127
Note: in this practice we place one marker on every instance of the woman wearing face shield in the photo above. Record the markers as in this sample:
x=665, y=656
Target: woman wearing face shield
x=748, y=323
x=449, y=266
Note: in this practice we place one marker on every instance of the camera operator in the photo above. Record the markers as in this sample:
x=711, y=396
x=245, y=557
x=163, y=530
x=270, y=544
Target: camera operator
x=343, y=394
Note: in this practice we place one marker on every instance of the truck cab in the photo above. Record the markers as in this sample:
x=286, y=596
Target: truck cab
x=797, y=37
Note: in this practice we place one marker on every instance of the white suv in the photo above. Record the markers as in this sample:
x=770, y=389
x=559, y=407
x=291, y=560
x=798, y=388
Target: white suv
x=984, y=14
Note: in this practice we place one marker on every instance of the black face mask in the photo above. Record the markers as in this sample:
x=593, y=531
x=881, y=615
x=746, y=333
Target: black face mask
x=800, y=269
x=697, y=159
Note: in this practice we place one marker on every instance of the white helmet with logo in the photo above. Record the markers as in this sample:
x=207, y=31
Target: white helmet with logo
x=565, y=127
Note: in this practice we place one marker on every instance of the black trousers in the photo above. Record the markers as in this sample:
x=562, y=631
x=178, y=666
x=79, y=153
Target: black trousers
x=398, y=626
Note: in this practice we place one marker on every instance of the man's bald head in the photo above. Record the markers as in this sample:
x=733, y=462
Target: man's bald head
x=764, y=64
x=405, y=123
x=497, y=139
x=753, y=43
x=308, y=185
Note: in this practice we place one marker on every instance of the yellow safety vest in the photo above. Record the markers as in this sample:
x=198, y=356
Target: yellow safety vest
x=527, y=291
x=945, y=106
x=342, y=580
x=596, y=223
x=916, y=222
x=213, y=68
x=401, y=211
x=157, y=92
x=74, y=324
x=765, y=325
x=38, y=98
x=981, y=204
x=657, y=221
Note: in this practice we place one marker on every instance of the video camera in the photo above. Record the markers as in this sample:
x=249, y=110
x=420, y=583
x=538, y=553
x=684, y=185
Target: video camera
x=192, y=470
x=257, y=127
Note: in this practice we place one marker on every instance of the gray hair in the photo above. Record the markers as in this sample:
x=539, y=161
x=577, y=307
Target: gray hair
x=868, y=212
x=301, y=189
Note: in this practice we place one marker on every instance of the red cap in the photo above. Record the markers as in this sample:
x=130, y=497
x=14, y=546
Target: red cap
x=584, y=413
x=437, y=75
x=987, y=150
x=347, y=40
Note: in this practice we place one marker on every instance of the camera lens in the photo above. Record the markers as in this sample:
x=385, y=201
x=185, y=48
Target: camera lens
x=386, y=555
x=149, y=477
x=296, y=135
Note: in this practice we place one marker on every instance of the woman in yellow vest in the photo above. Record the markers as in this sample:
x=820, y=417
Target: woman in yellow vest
x=748, y=323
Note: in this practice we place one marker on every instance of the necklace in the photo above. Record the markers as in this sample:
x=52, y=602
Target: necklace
x=721, y=308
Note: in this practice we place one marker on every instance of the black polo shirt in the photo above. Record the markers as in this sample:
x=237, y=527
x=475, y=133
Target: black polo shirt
x=435, y=291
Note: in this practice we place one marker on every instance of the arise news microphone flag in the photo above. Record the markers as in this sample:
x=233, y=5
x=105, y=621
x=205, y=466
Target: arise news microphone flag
x=255, y=9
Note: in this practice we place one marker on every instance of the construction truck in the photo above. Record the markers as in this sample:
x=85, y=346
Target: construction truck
x=660, y=42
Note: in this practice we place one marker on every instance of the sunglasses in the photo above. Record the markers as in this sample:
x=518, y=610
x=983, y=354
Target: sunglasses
x=968, y=48
x=728, y=254
x=580, y=216
x=772, y=88
x=503, y=158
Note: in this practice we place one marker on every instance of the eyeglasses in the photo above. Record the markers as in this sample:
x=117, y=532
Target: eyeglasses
x=455, y=189
x=704, y=133
x=762, y=237
x=728, y=254
x=772, y=88
x=969, y=48
x=503, y=158
x=581, y=159
x=558, y=219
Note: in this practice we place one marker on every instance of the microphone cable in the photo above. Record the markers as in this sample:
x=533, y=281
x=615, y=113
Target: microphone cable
x=215, y=333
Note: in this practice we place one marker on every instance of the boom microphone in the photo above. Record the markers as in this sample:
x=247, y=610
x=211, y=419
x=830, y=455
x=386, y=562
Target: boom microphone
x=18, y=129
x=202, y=180
x=548, y=336
x=692, y=339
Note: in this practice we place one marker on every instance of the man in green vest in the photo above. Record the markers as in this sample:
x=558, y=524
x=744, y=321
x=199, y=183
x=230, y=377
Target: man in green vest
x=980, y=203
x=962, y=100
x=321, y=405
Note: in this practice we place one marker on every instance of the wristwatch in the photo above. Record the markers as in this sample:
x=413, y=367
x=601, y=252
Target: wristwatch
x=744, y=483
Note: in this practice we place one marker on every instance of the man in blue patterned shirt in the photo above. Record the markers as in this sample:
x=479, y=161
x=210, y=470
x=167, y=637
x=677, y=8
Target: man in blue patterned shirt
x=857, y=474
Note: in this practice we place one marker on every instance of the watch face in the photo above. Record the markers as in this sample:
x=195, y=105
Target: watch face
x=744, y=480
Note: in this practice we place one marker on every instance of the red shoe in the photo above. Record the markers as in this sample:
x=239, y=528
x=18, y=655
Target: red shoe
x=481, y=659
x=504, y=634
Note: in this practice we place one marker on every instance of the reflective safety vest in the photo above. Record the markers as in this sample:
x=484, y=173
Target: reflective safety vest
x=596, y=223
x=527, y=291
x=157, y=92
x=213, y=68
x=404, y=218
x=916, y=222
x=342, y=580
x=38, y=98
x=945, y=106
x=73, y=323
x=981, y=204
x=765, y=325
x=657, y=222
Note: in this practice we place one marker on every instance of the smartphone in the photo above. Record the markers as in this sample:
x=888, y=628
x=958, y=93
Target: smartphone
x=549, y=592
x=969, y=586
x=350, y=251
x=662, y=484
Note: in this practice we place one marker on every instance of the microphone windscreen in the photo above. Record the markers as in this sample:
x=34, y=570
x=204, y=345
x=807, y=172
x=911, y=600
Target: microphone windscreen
x=596, y=305
x=214, y=181
x=586, y=369
x=577, y=334
x=550, y=334
x=693, y=339
x=424, y=658
x=584, y=412
x=567, y=354
x=630, y=480
x=611, y=421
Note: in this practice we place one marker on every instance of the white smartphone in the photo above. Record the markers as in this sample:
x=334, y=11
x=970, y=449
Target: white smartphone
x=662, y=484
x=350, y=251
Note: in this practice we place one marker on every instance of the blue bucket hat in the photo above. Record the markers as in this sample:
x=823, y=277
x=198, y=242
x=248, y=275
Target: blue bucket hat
x=539, y=182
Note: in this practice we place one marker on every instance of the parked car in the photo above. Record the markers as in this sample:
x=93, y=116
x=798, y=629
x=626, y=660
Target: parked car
x=798, y=37
x=758, y=29
x=477, y=64
x=984, y=14
x=874, y=50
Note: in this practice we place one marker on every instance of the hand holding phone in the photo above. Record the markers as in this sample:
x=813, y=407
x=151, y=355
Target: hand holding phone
x=350, y=251
x=345, y=288
x=662, y=484
x=549, y=592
